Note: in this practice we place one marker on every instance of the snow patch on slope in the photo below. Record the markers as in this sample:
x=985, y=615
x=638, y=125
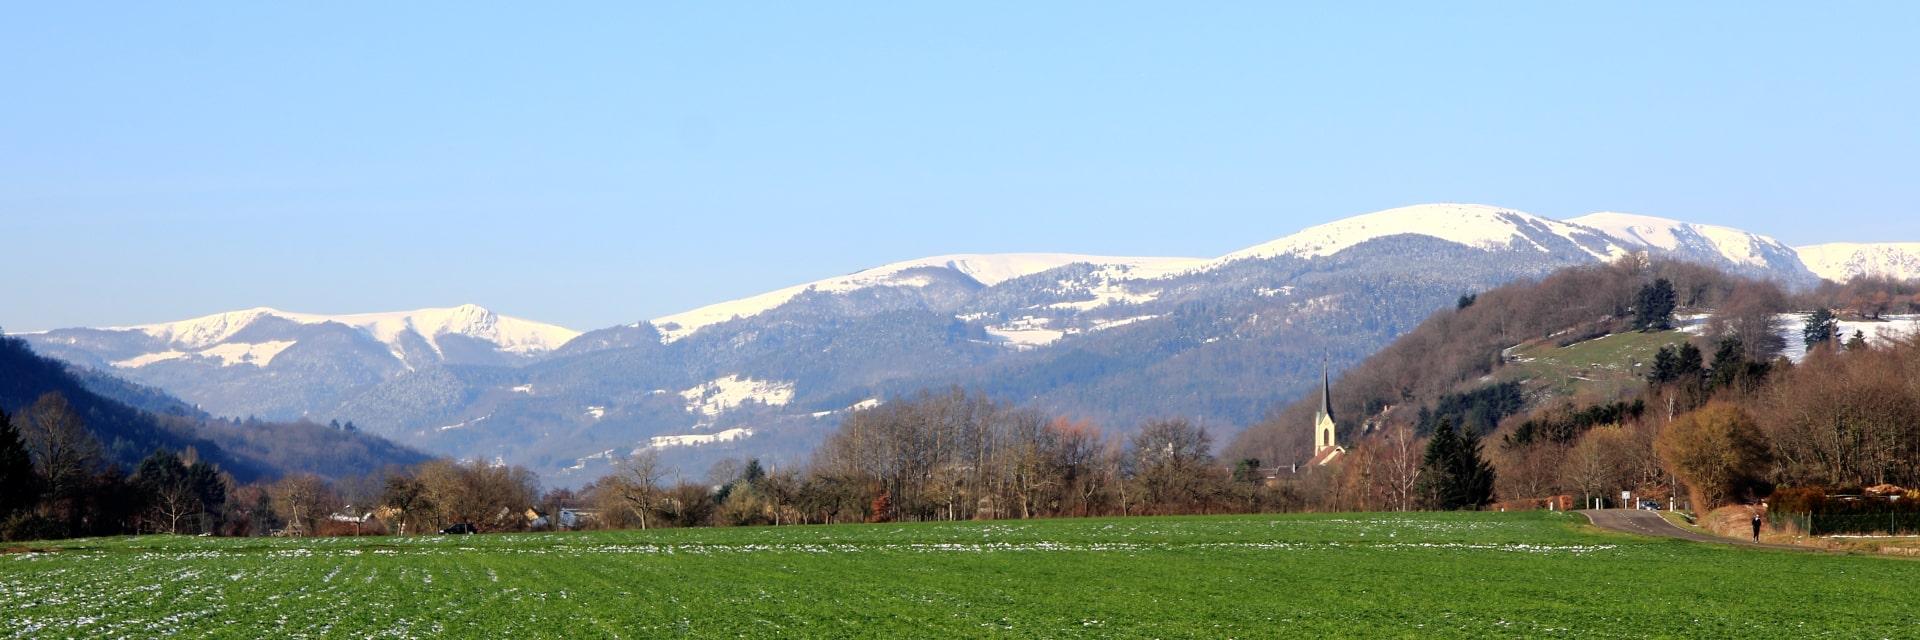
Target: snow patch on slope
x=721, y=395
x=149, y=358
x=692, y=440
x=230, y=354
x=1841, y=261
x=1026, y=333
x=256, y=354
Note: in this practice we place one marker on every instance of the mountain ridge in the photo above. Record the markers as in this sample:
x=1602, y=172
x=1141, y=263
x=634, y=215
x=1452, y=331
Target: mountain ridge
x=1116, y=339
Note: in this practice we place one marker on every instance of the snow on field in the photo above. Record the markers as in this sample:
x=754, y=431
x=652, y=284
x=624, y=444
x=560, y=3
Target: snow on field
x=1026, y=333
x=1473, y=225
x=694, y=440
x=987, y=269
x=1791, y=325
x=721, y=395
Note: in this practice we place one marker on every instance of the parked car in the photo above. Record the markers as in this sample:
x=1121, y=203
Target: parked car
x=1649, y=505
x=463, y=528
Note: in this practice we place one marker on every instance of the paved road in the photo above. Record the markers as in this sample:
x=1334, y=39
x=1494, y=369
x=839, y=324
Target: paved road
x=1649, y=523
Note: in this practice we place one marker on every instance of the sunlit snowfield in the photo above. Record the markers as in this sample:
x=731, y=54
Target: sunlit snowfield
x=1346, y=575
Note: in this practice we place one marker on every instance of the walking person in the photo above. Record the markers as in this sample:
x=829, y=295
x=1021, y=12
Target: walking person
x=1756, y=525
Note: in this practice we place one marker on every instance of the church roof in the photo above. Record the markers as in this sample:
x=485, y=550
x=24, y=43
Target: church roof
x=1326, y=392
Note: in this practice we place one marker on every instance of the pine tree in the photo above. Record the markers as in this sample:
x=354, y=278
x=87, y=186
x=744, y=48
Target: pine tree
x=19, y=485
x=1653, y=310
x=1453, y=473
x=1688, y=364
x=1728, y=362
x=1821, y=328
x=1858, y=341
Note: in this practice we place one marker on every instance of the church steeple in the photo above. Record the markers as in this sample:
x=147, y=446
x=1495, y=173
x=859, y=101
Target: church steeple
x=1326, y=391
x=1325, y=449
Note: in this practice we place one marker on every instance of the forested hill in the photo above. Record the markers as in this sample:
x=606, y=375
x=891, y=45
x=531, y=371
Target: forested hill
x=1459, y=351
x=249, y=451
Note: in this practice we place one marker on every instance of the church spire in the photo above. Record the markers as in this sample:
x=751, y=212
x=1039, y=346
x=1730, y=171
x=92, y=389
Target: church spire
x=1326, y=391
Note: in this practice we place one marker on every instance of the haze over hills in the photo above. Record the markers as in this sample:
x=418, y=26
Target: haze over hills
x=1113, y=339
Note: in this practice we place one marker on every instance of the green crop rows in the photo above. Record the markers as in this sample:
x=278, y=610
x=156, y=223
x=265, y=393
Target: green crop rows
x=1340, y=575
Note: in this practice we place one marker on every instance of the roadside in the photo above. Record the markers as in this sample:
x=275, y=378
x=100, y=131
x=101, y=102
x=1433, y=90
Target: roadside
x=1651, y=523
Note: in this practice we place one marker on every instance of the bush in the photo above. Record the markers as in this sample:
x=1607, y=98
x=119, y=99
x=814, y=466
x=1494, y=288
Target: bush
x=28, y=526
x=1823, y=511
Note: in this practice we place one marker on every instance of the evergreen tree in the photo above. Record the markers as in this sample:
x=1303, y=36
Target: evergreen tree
x=1466, y=300
x=19, y=485
x=1247, y=470
x=1688, y=364
x=1653, y=310
x=1729, y=362
x=1664, y=365
x=1821, y=328
x=1858, y=341
x=1453, y=473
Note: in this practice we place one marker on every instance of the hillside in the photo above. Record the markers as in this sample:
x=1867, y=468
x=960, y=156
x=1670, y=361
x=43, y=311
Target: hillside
x=1562, y=337
x=249, y=451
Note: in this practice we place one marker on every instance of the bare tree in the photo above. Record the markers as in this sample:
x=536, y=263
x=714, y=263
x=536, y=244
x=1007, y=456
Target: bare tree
x=303, y=499
x=1399, y=458
x=636, y=479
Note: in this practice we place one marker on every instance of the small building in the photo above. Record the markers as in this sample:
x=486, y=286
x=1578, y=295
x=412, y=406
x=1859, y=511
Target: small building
x=577, y=518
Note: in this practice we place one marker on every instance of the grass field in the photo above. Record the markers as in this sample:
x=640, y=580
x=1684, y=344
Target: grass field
x=1600, y=364
x=1339, y=575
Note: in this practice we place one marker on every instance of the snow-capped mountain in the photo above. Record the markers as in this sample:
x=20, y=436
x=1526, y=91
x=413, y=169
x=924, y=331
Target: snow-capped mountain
x=1473, y=225
x=282, y=364
x=398, y=330
x=1841, y=261
x=1111, y=339
x=984, y=269
x=1737, y=251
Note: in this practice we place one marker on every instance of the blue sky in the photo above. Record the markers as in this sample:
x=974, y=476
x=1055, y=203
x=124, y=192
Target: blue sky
x=592, y=165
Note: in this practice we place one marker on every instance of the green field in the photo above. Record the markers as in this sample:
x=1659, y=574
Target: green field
x=1340, y=575
x=1600, y=364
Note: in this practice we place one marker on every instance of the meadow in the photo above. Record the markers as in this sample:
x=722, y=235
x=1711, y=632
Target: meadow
x=1429, y=575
